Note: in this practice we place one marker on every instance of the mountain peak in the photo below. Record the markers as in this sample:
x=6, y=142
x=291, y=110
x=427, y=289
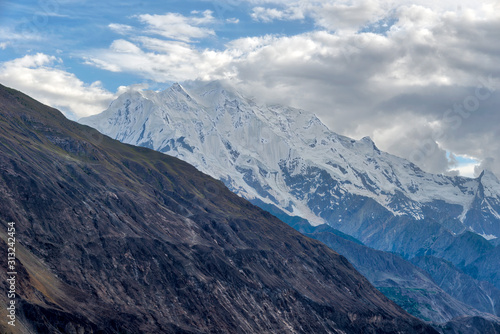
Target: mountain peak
x=177, y=87
x=486, y=173
x=368, y=140
x=487, y=177
x=367, y=143
x=212, y=93
x=490, y=182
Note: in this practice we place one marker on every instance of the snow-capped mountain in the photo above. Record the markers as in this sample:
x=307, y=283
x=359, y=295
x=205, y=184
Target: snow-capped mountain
x=288, y=158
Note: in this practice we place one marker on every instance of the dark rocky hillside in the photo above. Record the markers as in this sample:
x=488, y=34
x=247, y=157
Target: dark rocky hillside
x=118, y=239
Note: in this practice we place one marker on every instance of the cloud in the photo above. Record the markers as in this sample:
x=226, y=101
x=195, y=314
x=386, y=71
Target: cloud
x=350, y=16
x=25, y=33
x=123, y=46
x=132, y=88
x=468, y=170
x=270, y=14
x=409, y=86
x=162, y=60
x=463, y=165
x=121, y=29
x=38, y=76
x=330, y=15
x=44, y=14
x=179, y=27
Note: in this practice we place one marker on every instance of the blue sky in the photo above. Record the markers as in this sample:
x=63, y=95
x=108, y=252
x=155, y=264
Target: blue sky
x=419, y=77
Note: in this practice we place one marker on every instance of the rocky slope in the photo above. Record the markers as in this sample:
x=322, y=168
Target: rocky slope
x=119, y=239
x=479, y=294
x=485, y=267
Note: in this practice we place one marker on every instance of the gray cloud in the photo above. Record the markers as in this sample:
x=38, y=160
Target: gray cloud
x=179, y=27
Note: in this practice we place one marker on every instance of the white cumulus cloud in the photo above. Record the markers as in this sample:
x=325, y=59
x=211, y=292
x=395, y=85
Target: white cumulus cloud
x=38, y=76
x=179, y=27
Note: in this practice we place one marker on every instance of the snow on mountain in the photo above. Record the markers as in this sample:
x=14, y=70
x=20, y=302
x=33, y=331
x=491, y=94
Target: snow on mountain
x=287, y=157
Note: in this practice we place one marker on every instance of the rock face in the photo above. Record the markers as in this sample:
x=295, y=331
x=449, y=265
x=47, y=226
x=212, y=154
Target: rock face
x=119, y=239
